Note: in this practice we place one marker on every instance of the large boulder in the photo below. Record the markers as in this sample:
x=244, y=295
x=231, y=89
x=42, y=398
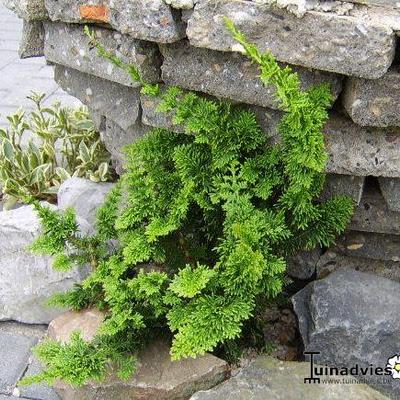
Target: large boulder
x=157, y=377
x=352, y=318
x=267, y=378
x=84, y=196
x=28, y=280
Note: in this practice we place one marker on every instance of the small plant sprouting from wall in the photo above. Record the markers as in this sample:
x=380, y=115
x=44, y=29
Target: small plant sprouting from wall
x=42, y=148
x=201, y=225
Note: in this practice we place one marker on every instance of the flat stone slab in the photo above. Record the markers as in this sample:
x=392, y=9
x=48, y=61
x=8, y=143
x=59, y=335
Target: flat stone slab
x=37, y=391
x=327, y=41
x=373, y=215
x=14, y=356
x=390, y=189
x=347, y=185
x=376, y=246
x=229, y=75
x=157, y=377
x=32, y=42
x=68, y=45
x=374, y=102
x=268, y=378
x=332, y=261
x=151, y=20
x=117, y=102
x=354, y=150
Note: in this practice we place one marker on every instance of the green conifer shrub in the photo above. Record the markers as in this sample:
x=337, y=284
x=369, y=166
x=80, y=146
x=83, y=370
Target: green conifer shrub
x=194, y=237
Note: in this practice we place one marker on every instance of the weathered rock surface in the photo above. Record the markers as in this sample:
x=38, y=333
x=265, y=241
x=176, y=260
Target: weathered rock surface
x=32, y=41
x=68, y=45
x=27, y=280
x=352, y=317
x=302, y=265
x=84, y=196
x=333, y=261
x=29, y=10
x=370, y=245
x=157, y=376
x=151, y=20
x=87, y=322
x=390, y=189
x=347, y=185
x=326, y=41
x=228, y=75
x=373, y=215
x=115, y=139
x=181, y=4
x=374, y=102
x=267, y=378
x=354, y=150
x=117, y=102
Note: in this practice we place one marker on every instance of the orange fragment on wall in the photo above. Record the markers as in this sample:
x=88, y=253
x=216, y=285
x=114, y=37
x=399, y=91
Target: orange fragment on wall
x=94, y=13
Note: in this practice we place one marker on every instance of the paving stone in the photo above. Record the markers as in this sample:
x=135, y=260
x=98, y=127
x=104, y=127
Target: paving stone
x=343, y=44
x=390, y=189
x=32, y=42
x=376, y=246
x=37, y=391
x=348, y=185
x=117, y=102
x=32, y=10
x=229, y=75
x=374, y=102
x=332, y=261
x=14, y=355
x=68, y=45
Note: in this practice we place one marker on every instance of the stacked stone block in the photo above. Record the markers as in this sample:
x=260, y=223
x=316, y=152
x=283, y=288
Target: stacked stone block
x=351, y=45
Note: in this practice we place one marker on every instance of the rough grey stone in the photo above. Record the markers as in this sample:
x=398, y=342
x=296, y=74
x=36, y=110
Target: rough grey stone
x=84, y=196
x=390, y=3
x=352, y=317
x=157, y=377
x=71, y=10
x=37, y=391
x=326, y=41
x=333, y=261
x=30, y=10
x=68, y=45
x=14, y=356
x=303, y=265
x=268, y=378
x=370, y=245
x=373, y=215
x=228, y=75
x=152, y=117
x=374, y=102
x=115, y=139
x=151, y=20
x=181, y=4
x=32, y=42
x=348, y=185
x=391, y=192
x=354, y=150
x=27, y=280
x=117, y=102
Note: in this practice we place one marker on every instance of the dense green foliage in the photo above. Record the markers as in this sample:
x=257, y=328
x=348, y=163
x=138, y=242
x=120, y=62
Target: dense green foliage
x=41, y=149
x=197, y=231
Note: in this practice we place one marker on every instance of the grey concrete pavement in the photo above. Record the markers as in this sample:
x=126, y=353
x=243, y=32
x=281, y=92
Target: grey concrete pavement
x=19, y=77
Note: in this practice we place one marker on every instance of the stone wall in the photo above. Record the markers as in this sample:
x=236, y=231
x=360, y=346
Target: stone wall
x=351, y=45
